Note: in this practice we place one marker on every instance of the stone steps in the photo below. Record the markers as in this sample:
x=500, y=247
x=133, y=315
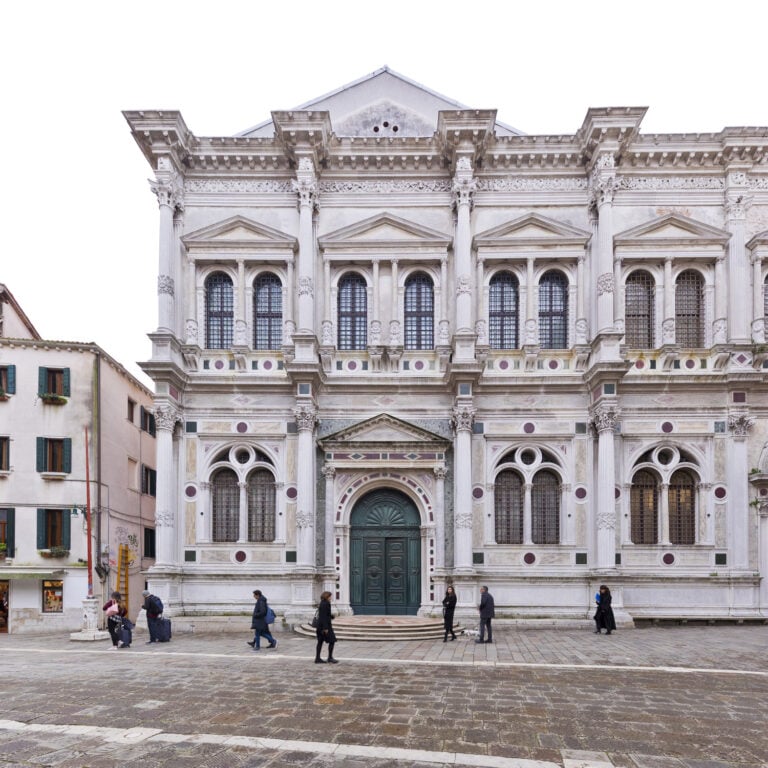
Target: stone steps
x=370, y=628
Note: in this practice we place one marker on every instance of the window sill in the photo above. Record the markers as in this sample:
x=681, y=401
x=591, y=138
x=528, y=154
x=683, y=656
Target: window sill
x=5, y=472
x=53, y=399
x=54, y=475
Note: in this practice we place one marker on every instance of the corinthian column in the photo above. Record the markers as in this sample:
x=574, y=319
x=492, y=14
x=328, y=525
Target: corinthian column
x=463, y=418
x=603, y=185
x=329, y=473
x=305, y=185
x=604, y=417
x=739, y=511
x=165, y=501
x=463, y=188
x=169, y=190
x=738, y=273
x=306, y=419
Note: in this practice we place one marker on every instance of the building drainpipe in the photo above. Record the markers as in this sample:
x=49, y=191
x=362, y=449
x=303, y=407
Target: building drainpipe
x=97, y=428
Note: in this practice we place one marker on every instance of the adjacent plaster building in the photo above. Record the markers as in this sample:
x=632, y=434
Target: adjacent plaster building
x=50, y=393
x=402, y=344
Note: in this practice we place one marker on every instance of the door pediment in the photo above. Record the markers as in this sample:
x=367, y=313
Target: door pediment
x=238, y=232
x=529, y=231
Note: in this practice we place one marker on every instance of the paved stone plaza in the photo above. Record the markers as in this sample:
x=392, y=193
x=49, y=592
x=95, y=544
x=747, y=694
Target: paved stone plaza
x=658, y=697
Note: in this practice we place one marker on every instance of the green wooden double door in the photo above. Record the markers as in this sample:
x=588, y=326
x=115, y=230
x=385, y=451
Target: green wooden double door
x=385, y=567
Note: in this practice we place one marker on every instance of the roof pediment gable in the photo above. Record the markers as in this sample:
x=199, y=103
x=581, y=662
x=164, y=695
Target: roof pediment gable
x=239, y=231
x=384, y=229
x=673, y=229
x=384, y=429
x=532, y=229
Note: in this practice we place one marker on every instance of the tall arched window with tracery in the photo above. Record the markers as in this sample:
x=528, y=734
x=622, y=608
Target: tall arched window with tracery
x=267, y=312
x=682, y=507
x=261, y=506
x=219, y=311
x=352, y=312
x=509, y=506
x=639, y=315
x=553, y=310
x=419, y=312
x=545, y=508
x=644, y=508
x=225, y=499
x=503, y=311
x=689, y=309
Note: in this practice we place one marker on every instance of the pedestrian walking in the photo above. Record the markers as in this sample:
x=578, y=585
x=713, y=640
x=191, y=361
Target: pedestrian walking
x=259, y=623
x=604, y=614
x=115, y=611
x=449, y=607
x=324, y=629
x=153, y=606
x=487, y=612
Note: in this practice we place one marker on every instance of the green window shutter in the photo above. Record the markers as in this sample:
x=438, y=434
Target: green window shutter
x=152, y=483
x=41, y=542
x=10, y=531
x=152, y=425
x=11, y=379
x=66, y=528
x=67, y=454
x=67, y=379
x=42, y=380
x=41, y=454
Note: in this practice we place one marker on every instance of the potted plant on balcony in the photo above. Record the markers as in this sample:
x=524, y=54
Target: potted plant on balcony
x=3, y=550
x=54, y=552
x=53, y=398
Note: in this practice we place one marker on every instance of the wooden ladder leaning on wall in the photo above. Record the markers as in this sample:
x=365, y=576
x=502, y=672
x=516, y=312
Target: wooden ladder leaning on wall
x=123, y=559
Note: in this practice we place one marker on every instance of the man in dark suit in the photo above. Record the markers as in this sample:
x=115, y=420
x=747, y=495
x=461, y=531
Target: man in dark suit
x=487, y=612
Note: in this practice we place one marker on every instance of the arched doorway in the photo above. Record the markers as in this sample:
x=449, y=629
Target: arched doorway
x=385, y=572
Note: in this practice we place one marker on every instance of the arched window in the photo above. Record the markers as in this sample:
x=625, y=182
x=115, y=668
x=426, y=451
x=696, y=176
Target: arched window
x=644, y=508
x=261, y=506
x=225, y=497
x=267, y=312
x=553, y=311
x=419, y=312
x=219, y=311
x=353, y=312
x=503, y=311
x=509, y=498
x=689, y=309
x=639, y=317
x=545, y=508
x=682, y=508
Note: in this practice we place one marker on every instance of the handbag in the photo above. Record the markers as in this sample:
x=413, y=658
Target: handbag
x=315, y=620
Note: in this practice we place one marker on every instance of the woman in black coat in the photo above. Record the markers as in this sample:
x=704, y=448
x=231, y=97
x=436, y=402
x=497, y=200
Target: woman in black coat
x=449, y=606
x=325, y=629
x=604, y=613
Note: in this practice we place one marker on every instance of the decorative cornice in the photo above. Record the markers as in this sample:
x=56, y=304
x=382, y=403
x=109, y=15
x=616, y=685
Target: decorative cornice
x=240, y=186
x=385, y=186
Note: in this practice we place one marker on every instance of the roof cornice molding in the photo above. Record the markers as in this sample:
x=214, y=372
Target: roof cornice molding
x=161, y=134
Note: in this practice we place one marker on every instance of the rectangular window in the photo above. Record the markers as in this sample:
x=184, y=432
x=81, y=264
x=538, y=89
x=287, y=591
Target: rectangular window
x=147, y=421
x=53, y=596
x=7, y=519
x=7, y=380
x=53, y=381
x=5, y=454
x=149, y=542
x=54, y=454
x=133, y=474
x=148, y=480
x=131, y=414
x=53, y=528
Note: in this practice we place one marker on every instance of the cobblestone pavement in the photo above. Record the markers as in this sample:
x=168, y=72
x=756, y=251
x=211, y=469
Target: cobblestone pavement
x=660, y=697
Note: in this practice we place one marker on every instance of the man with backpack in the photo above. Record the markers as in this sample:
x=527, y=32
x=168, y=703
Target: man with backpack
x=153, y=605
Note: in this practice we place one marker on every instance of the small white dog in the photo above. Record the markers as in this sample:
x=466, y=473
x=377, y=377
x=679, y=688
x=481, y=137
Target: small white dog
x=473, y=632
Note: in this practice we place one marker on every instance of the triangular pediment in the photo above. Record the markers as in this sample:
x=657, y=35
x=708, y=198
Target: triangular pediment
x=532, y=229
x=384, y=229
x=384, y=430
x=673, y=229
x=239, y=231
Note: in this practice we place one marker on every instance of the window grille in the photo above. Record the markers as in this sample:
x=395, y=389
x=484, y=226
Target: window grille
x=261, y=506
x=509, y=499
x=267, y=312
x=682, y=508
x=545, y=508
x=503, y=311
x=225, y=494
x=219, y=311
x=419, y=312
x=765, y=299
x=553, y=311
x=639, y=316
x=352, y=312
x=644, y=508
x=689, y=309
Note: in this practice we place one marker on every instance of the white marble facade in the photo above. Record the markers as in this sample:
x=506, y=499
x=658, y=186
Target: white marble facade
x=548, y=350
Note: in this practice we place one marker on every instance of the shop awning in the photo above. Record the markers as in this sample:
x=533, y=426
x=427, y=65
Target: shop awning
x=7, y=575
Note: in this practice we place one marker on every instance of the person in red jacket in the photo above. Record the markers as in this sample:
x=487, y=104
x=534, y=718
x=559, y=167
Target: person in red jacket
x=115, y=611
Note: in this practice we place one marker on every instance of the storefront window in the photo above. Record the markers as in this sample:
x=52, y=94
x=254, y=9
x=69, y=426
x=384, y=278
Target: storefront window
x=53, y=596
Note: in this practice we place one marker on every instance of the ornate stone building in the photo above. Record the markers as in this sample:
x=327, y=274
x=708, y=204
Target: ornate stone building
x=401, y=344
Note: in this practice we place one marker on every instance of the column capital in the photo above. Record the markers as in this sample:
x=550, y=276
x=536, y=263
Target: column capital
x=603, y=182
x=740, y=423
x=464, y=183
x=440, y=472
x=329, y=471
x=166, y=417
x=305, y=184
x=306, y=417
x=463, y=418
x=605, y=416
x=169, y=190
x=736, y=205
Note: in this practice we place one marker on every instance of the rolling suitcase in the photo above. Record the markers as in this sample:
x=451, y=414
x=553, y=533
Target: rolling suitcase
x=126, y=635
x=164, y=630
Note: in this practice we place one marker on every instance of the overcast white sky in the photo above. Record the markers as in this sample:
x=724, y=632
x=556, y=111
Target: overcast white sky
x=79, y=250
